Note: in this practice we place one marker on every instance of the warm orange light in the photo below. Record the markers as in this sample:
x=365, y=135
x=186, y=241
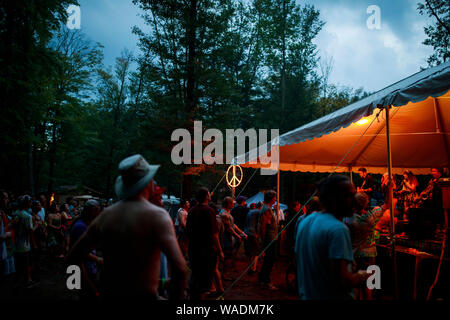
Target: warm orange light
x=52, y=198
x=234, y=180
x=362, y=121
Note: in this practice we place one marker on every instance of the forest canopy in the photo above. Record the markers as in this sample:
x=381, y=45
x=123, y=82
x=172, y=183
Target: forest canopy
x=67, y=119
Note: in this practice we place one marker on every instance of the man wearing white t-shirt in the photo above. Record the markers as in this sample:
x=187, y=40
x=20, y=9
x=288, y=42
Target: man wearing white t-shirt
x=180, y=221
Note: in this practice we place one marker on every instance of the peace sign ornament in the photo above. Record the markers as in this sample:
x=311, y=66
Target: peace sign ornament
x=234, y=179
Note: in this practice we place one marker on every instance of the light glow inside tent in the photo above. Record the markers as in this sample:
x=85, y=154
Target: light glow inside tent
x=419, y=131
x=362, y=122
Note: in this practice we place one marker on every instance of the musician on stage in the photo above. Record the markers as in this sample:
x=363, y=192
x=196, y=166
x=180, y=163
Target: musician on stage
x=385, y=185
x=408, y=191
x=367, y=185
x=432, y=196
x=384, y=222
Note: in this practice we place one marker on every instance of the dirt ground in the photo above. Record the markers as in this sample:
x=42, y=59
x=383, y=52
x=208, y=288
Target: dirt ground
x=52, y=284
x=248, y=288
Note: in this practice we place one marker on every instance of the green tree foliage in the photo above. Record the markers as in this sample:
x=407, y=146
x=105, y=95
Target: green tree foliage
x=199, y=63
x=26, y=28
x=237, y=65
x=70, y=83
x=439, y=32
x=113, y=92
x=290, y=83
x=229, y=63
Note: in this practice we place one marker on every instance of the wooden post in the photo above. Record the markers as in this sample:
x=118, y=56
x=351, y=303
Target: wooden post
x=233, y=182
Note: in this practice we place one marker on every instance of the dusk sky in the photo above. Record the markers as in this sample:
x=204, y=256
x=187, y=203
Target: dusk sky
x=372, y=59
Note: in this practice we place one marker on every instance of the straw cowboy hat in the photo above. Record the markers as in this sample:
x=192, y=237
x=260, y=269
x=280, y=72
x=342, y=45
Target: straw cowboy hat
x=135, y=175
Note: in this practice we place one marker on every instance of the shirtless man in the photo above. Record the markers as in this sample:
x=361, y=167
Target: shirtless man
x=131, y=235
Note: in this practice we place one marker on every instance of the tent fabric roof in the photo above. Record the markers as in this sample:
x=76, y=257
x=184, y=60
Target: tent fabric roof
x=419, y=127
x=432, y=82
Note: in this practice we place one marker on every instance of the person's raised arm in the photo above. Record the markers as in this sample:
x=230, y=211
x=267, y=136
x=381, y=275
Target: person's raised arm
x=165, y=235
x=66, y=215
x=410, y=186
x=387, y=204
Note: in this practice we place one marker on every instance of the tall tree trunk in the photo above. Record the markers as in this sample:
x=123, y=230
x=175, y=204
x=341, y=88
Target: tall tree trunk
x=111, y=151
x=191, y=82
x=52, y=159
x=117, y=110
x=283, y=67
x=186, y=186
x=30, y=167
x=37, y=156
x=108, y=172
x=191, y=42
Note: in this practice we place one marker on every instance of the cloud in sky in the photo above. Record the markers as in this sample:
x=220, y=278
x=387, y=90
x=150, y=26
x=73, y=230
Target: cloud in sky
x=371, y=59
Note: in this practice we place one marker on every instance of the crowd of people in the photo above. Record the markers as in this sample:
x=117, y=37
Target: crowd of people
x=134, y=248
x=32, y=227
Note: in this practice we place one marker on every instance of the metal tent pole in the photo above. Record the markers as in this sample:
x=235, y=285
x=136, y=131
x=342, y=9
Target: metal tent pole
x=389, y=158
x=278, y=195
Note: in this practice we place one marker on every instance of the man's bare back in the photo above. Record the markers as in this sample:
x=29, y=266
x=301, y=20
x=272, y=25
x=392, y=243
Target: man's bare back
x=131, y=235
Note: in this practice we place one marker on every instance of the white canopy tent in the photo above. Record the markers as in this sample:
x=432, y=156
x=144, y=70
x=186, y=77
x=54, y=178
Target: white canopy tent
x=419, y=131
x=259, y=197
x=411, y=133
